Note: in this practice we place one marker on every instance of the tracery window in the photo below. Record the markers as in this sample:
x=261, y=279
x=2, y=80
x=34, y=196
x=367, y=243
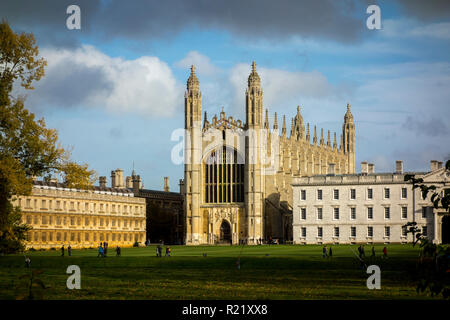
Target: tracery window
x=223, y=176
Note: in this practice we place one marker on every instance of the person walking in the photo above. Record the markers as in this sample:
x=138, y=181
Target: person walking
x=105, y=248
x=69, y=250
x=324, y=252
x=62, y=251
x=100, y=251
x=118, y=251
x=363, y=255
x=373, y=252
x=360, y=251
x=330, y=252
x=385, y=253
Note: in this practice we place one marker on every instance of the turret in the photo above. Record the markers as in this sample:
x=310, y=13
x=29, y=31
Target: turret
x=348, y=139
x=193, y=101
x=254, y=100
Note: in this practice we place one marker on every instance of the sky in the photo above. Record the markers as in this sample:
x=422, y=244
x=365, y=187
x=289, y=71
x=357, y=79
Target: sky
x=114, y=89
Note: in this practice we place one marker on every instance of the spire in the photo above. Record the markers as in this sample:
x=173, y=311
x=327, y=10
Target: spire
x=341, y=149
x=133, y=173
x=334, y=143
x=254, y=79
x=321, y=137
x=283, y=129
x=308, y=138
x=275, y=122
x=205, y=121
x=348, y=115
x=329, y=140
x=315, y=136
x=292, y=127
x=266, y=121
x=192, y=82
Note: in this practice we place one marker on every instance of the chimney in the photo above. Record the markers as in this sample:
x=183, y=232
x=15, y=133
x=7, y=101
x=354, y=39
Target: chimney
x=136, y=183
x=364, y=168
x=129, y=183
x=102, y=182
x=119, y=178
x=439, y=165
x=181, y=184
x=113, y=179
x=399, y=167
x=331, y=168
x=434, y=164
x=166, y=184
x=370, y=168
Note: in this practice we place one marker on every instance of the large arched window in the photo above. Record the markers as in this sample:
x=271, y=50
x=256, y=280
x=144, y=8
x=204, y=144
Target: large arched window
x=223, y=174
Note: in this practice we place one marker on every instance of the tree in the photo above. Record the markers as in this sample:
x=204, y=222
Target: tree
x=28, y=148
x=433, y=270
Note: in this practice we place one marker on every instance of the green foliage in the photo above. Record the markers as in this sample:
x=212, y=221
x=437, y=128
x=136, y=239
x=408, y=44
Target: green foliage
x=27, y=147
x=433, y=269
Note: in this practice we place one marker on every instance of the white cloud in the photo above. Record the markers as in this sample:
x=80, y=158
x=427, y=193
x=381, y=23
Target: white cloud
x=202, y=63
x=436, y=30
x=407, y=28
x=86, y=77
x=281, y=87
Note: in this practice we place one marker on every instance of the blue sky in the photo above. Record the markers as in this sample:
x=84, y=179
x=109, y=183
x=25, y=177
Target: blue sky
x=114, y=89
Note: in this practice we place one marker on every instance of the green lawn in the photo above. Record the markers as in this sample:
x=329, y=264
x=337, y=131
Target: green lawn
x=267, y=272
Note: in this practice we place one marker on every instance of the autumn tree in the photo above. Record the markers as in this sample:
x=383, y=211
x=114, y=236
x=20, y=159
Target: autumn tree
x=28, y=148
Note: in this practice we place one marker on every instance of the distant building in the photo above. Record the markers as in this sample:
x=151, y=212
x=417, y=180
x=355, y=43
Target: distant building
x=368, y=207
x=82, y=218
x=164, y=209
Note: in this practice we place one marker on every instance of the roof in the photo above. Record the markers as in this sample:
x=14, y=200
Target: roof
x=60, y=185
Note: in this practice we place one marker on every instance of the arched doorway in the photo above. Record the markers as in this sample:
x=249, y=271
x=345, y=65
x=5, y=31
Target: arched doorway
x=446, y=229
x=225, y=232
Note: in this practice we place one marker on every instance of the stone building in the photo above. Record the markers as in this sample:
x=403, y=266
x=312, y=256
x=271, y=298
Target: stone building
x=164, y=209
x=82, y=218
x=238, y=174
x=368, y=207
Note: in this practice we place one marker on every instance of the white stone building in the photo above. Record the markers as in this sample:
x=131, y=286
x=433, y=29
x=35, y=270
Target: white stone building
x=368, y=207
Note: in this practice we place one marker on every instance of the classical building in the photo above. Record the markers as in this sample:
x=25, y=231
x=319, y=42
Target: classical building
x=238, y=175
x=82, y=218
x=368, y=207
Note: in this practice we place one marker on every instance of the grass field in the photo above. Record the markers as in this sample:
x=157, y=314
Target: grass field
x=266, y=272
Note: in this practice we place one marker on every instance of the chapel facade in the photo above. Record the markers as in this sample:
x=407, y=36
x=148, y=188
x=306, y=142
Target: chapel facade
x=238, y=175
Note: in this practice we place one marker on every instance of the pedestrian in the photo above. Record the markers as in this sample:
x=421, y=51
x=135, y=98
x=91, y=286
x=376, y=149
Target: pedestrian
x=170, y=251
x=373, y=252
x=157, y=250
x=100, y=251
x=27, y=262
x=330, y=252
x=360, y=251
x=105, y=248
x=238, y=263
x=167, y=251
x=363, y=255
x=69, y=250
x=118, y=251
x=324, y=252
x=62, y=251
x=385, y=253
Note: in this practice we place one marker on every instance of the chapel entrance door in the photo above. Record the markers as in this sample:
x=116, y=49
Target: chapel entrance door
x=225, y=232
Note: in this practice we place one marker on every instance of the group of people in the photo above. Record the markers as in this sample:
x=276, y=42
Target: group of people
x=327, y=252
x=69, y=250
x=362, y=254
x=159, y=251
x=103, y=250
